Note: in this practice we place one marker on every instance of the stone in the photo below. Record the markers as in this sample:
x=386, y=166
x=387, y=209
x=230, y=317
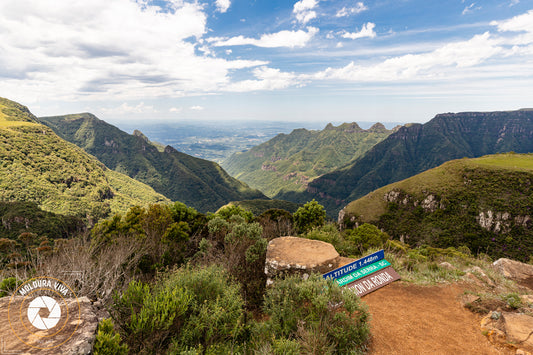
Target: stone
x=468, y=298
x=446, y=265
x=506, y=328
x=514, y=270
x=292, y=255
x=519, y=329
x=80, y=329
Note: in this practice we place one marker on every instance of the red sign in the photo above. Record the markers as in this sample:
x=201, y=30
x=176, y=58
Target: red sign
x=373, y=281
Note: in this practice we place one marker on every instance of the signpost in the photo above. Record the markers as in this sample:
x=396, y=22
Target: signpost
x=362, y=272
x=365, y=275
x=356, y=265
x=374, y=281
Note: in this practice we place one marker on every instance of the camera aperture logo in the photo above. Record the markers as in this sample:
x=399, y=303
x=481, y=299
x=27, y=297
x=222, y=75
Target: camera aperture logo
x=44, y=313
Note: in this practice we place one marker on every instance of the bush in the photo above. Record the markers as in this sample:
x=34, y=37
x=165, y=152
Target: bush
x=310, y=216
x=513, y=300
x=321, y=316
x=7, y=286
x=367, y=236
x=188, y=310
x=107, y=341
x=148, y=317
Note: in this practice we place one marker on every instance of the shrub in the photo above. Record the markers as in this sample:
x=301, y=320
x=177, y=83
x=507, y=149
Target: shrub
x=187, y=310
x=148, y=317
x=108, y=341
x=7, y=286
x=311, y=215
x=367, y=236
x=513, y=300
x=317, y=313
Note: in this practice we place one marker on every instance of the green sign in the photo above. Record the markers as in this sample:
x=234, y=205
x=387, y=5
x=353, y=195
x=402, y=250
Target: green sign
x=362, y=272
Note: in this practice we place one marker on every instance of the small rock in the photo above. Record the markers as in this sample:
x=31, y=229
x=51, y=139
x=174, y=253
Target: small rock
x=447, y=265
x=468, y=298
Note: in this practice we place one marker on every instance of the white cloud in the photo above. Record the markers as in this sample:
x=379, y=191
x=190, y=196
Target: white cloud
x=303, y=10
x=432, y=65
x=267, y=79
x=125, y=49
x=359, y=7
x=223, y=5
x=125, y=109
x=289, y=39
x=175, y=109
x=366, y=31
x=470, y=8
x=197, y=108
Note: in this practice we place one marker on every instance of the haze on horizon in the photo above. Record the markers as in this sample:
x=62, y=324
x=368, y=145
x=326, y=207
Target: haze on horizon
x=306, y=60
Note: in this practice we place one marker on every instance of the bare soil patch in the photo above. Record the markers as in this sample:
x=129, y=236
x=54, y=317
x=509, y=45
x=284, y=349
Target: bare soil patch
x=411, y=319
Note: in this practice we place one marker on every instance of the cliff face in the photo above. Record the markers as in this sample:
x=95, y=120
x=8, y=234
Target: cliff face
x=416, y=148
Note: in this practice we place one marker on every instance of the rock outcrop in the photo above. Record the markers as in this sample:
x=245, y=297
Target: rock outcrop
x=513, y=330
x=291, y=255
x=75, y=337
x=515, y=270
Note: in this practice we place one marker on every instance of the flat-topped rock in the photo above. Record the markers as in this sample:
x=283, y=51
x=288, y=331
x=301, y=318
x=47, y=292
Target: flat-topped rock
x=292, y=255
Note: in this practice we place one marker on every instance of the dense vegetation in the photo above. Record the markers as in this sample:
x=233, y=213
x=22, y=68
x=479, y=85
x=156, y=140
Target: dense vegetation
x=484, y=204
x=38, y=166
x=177, y=281
x=289, y=162
x=259, y=206
x=418, y=147
x=199, y=183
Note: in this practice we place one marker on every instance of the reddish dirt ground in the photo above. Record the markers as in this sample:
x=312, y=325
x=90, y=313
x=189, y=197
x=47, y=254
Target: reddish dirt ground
x=409, y=319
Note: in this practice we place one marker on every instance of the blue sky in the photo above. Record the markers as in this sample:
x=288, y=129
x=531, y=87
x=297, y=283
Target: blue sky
x=306, y=60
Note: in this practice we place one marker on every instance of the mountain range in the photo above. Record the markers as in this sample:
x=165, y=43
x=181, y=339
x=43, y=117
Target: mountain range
x=38, y=166
x=198, y=183
x=288, y=162
x=415, y=148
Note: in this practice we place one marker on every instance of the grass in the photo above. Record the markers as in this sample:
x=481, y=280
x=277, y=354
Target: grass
x=439, y=180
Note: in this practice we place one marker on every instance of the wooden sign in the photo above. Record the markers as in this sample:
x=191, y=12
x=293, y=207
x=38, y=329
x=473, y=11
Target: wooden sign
x=356, y=265
x=356, y=275
x=373, y=281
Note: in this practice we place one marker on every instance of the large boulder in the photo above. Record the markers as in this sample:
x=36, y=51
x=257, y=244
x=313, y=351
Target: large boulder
x=292, y=255
x=515, y=270
x=75, y=336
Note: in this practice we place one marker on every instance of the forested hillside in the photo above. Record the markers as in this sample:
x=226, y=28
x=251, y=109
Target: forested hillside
x=199, y=183
x=38, y=166
x=418, y=147
x=484, y=203
x=290, y=162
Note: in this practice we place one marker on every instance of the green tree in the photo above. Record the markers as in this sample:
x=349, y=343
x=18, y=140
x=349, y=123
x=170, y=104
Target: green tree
x=367, y=236
x=310, y=216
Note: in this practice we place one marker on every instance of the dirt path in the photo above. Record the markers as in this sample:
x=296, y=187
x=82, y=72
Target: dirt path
x=408, y=319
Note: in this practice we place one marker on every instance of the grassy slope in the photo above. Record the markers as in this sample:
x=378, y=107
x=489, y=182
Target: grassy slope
x=38, y=166
x=289, y=162
x=196, y=182
x=463, y=189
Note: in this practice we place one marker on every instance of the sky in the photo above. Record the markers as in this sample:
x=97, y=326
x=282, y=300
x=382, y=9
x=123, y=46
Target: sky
x=282, y=60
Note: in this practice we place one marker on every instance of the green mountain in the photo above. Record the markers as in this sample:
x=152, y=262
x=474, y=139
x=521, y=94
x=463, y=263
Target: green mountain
x=418, y=147
x=289, y=162
x=198, y=183
x=483, y=203
x=38, y=166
